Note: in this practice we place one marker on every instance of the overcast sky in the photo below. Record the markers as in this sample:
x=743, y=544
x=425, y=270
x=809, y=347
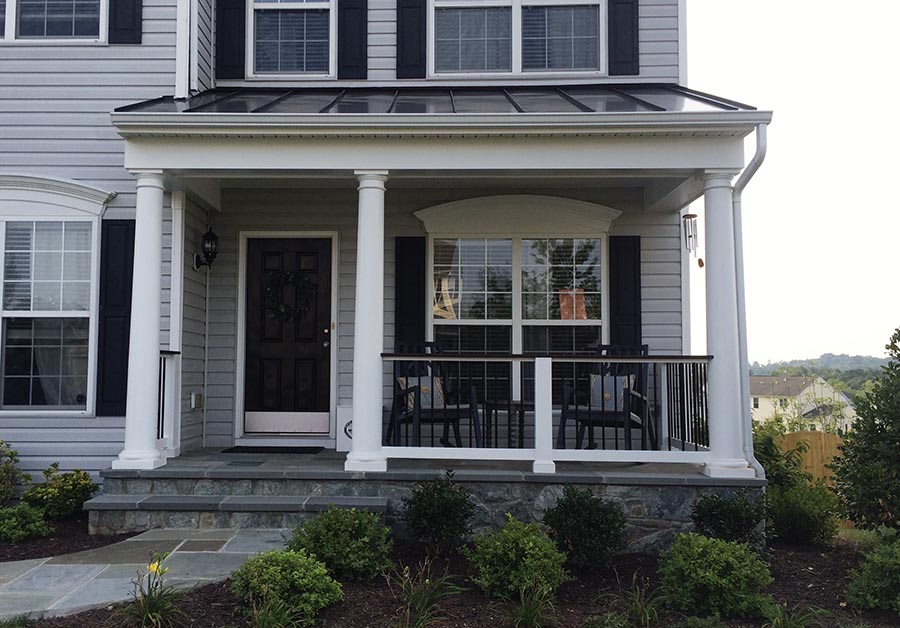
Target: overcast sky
x=822, y=216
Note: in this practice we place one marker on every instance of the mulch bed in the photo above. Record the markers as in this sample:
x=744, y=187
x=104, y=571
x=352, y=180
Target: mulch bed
x=804, y=576
x=70, y=535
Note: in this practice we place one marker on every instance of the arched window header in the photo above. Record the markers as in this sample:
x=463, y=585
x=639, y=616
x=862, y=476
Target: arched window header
x=518, y=213
x=22, y=194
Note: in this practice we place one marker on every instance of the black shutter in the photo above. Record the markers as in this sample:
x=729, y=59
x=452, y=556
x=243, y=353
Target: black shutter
x=623, y=38
x=409, y=294
x=116, y=265
x=411, y=43
x=353, y=44
x=125, y=21
x=231, y=18
x=625, y=290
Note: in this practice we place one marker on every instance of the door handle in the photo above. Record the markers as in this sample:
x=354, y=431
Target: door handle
x=325, y=331
x=326, y=344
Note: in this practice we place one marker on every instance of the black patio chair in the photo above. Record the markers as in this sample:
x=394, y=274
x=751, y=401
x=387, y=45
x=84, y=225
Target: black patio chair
x=414, y=405
x=623, y=402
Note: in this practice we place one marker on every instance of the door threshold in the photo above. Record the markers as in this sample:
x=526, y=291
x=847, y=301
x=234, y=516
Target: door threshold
x=267, y=440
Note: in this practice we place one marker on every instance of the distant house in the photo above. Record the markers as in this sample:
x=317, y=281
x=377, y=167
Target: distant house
x=808, y=403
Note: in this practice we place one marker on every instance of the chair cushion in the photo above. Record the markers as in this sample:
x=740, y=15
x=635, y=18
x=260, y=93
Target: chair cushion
x=431, y=392
x=608, y=391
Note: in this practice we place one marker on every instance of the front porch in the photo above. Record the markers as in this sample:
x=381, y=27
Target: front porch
x=582, y=370
x=211, y=489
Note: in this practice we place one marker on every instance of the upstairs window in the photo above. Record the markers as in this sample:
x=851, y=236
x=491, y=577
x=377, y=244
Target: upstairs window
x=512, y=37
x=59, y=19
x=292, y=37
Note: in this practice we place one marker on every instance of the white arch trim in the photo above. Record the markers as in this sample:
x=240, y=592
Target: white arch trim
x=30, y=195
x=521, y=214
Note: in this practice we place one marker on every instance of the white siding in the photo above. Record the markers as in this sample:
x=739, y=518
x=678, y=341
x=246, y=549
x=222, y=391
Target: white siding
x=54, y=121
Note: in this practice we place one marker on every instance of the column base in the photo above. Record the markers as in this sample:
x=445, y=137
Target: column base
x=376, y=464
x=543, y=466
x=138, y=461
x=738, y=469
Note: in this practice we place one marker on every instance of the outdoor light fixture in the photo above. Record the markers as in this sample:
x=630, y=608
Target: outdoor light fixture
x=209, y=247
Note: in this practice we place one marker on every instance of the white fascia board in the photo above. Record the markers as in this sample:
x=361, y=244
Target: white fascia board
x=717, y=124
x=260, y=154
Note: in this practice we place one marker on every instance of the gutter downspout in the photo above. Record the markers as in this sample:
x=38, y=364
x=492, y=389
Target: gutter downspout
x=743, y=180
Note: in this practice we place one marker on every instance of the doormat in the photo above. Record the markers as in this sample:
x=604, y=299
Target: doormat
x=246, y=449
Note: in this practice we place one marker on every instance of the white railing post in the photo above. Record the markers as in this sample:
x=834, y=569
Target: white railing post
x=543, y=416
x=663, y=374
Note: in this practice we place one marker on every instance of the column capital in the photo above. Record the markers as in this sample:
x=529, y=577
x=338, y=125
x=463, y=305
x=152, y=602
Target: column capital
x=715, y=178
x=371, y=178
x=149, y=178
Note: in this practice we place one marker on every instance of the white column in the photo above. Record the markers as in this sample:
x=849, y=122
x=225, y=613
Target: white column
x=543, y=416
x=143, y=352
x=368, y=327
x=725, y=403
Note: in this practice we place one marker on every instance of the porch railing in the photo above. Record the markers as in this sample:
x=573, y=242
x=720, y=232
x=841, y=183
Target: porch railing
x=547, y=408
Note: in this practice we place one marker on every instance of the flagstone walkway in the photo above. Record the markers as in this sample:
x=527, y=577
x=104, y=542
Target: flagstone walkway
x=68, y=584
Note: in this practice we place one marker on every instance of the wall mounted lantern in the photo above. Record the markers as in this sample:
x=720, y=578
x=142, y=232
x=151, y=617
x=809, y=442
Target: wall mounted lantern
x=209, y=247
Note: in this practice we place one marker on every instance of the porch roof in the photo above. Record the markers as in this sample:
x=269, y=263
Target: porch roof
x=413, y=109
x=597, y=98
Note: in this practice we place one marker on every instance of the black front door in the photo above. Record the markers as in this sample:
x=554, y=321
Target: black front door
x=288, y=352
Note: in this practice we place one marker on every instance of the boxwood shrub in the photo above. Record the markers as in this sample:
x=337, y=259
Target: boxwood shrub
x=731, y=517
x=439, y=514
x=22, y=522
x=588, y=529
x=876, y=582
x=61, y=495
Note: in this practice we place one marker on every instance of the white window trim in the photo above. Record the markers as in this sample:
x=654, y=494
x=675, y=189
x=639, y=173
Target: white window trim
x=25, y=197
x=10, y=35
x=250, y=40
x=516, y=43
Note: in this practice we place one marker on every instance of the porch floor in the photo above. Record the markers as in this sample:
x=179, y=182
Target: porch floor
x=329, y=465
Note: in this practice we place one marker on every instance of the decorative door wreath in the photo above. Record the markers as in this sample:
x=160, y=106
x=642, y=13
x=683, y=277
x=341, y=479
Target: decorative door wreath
x=273, y=291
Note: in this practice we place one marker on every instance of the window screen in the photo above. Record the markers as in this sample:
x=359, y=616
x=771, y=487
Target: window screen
x=473, y=40
x=59, y=18
x=560, y=38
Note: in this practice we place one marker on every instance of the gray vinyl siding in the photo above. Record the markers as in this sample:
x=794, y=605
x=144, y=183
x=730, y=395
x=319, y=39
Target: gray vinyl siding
x=203, y=73
x=54, y=121
x=335, y=210
x=658, y=37
x=382, y=39
x=193, y=333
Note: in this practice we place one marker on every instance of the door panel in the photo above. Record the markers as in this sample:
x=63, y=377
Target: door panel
x=288, y=336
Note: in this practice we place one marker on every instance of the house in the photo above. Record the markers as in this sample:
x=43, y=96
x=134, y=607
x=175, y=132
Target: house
x=805, y=403
x=247, y=224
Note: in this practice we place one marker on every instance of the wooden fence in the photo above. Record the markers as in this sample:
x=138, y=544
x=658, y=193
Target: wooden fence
x=823, y=448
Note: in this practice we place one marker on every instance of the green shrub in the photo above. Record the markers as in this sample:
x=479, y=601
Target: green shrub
x=866, y=473
x=10, y=475
x=876, y=582
x=730, y=517
x=803, y=513
x=783, y=467
x=519, y=555
x=291, y=577
x=714, y=577
x=589, y=530
x=353, y=544
x=22, y=522
x=61, y=494
x=439, y=514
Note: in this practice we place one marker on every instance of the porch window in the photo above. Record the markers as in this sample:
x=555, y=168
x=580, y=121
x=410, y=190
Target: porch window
x=58, y=19
x=511, y=36
x=292, y=37
x=46, y=313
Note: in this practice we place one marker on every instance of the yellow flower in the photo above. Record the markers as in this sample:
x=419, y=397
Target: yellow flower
x=153, y=567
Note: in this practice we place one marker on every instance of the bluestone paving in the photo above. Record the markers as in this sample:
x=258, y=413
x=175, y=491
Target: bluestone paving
x=10, y=571
x=69, y=584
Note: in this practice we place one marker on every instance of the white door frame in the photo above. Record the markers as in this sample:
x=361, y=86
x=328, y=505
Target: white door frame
x=241, y=343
